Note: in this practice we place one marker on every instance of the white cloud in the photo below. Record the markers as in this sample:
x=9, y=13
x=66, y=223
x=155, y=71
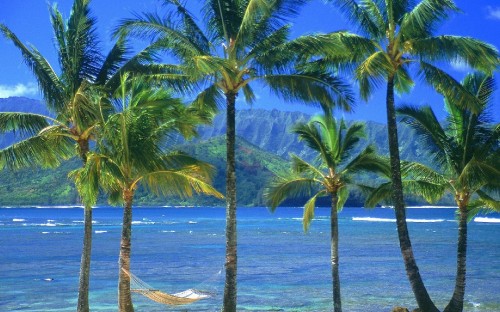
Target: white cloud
x=493, y=12
x=18, y=90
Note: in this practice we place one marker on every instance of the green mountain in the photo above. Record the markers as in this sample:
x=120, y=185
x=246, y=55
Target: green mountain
x=263, y=146
x=52, y=187
x=271, y=131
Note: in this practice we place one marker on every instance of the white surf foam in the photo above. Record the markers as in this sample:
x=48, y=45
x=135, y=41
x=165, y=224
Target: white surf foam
x=143, y=222
x=372, y=219
x=425, y=220
x=18, y=220
x=58, y=207
x=486, y=220
x=48, y=224
x=99, y=232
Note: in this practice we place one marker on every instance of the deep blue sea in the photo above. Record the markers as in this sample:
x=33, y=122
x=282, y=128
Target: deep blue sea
x=280, y=268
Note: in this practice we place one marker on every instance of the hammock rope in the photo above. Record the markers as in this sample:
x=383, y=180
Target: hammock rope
x=185, y=297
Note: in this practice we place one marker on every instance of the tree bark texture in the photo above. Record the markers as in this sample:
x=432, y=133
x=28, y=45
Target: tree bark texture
x=420, y=292
x=230, y=288
x=334, y=242
x=124, y=294
x=84, y=279
x=456, y=303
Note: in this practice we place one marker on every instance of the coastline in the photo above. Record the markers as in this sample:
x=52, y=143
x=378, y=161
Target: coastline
x=193, y=206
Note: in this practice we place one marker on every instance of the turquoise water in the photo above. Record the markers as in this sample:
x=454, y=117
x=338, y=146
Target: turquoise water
x=281, y=268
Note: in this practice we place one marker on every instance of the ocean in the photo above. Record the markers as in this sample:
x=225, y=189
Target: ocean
x=280, y=268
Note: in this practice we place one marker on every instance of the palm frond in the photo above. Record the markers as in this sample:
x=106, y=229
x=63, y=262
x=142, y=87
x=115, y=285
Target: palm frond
x=311, y=136
x=223, y=18
x=210, y=98
x=205, y=65
x=255, y=12
x=308, y=214
x=327, y=135
x=372, y=73
x=379, y=194
x=312, y=87
x=113, y=62
x=300, y=166
x=25, y=123
x=484, y=204
x=272, y=52
x=470, y=51
x=183, y=183
x=349, y=141
x=289, y=186
x=368, y=161
x=343, y=196
x=429, y=191
x=338, y=51
x=154, y=28
x=429, y=130
x=87, y=181
x=420, y=172
x=83, y=57
x=182, y=161
x=476, y=174
x=367, y=18
x=38, y=150
x=489, y=202
x=190, y=27
x=482, y=85
x=421, y=21
x=48, y=81
x=403, y=83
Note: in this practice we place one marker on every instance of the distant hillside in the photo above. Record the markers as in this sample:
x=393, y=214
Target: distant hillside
x=271, y=131
x=52, y=187
x=263, y=145
x=22, y=104
x=18, y=104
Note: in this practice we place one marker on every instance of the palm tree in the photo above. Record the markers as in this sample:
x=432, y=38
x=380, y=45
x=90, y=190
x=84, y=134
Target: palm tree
x=243, y=42
x=467, y=152
x=399, y=33
x=131, y=152
x=334, y=142
x=71, y=97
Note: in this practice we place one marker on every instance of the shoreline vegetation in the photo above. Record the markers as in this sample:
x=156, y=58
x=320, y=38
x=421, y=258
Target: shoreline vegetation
x=121, y=125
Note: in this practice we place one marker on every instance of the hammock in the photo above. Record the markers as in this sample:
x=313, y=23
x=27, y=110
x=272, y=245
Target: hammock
x=185, y=297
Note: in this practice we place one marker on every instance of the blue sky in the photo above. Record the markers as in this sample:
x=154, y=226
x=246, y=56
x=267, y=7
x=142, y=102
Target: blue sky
x=29, y=19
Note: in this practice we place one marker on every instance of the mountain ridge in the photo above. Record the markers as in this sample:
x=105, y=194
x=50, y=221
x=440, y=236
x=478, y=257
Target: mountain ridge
x=264, y=142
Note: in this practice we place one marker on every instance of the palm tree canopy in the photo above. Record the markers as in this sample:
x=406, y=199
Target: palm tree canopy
x=465, y=149
x=241, y=42
x=86, y=78
x=133, y=147
x=333, y=171
x=401, y=33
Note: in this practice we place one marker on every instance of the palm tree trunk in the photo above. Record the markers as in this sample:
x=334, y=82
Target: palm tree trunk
x=83, y=292
x=420, y=292
x=456, y=303
x=334, y=242
x=84, y=280
x=124, y=294
x=230, y=288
